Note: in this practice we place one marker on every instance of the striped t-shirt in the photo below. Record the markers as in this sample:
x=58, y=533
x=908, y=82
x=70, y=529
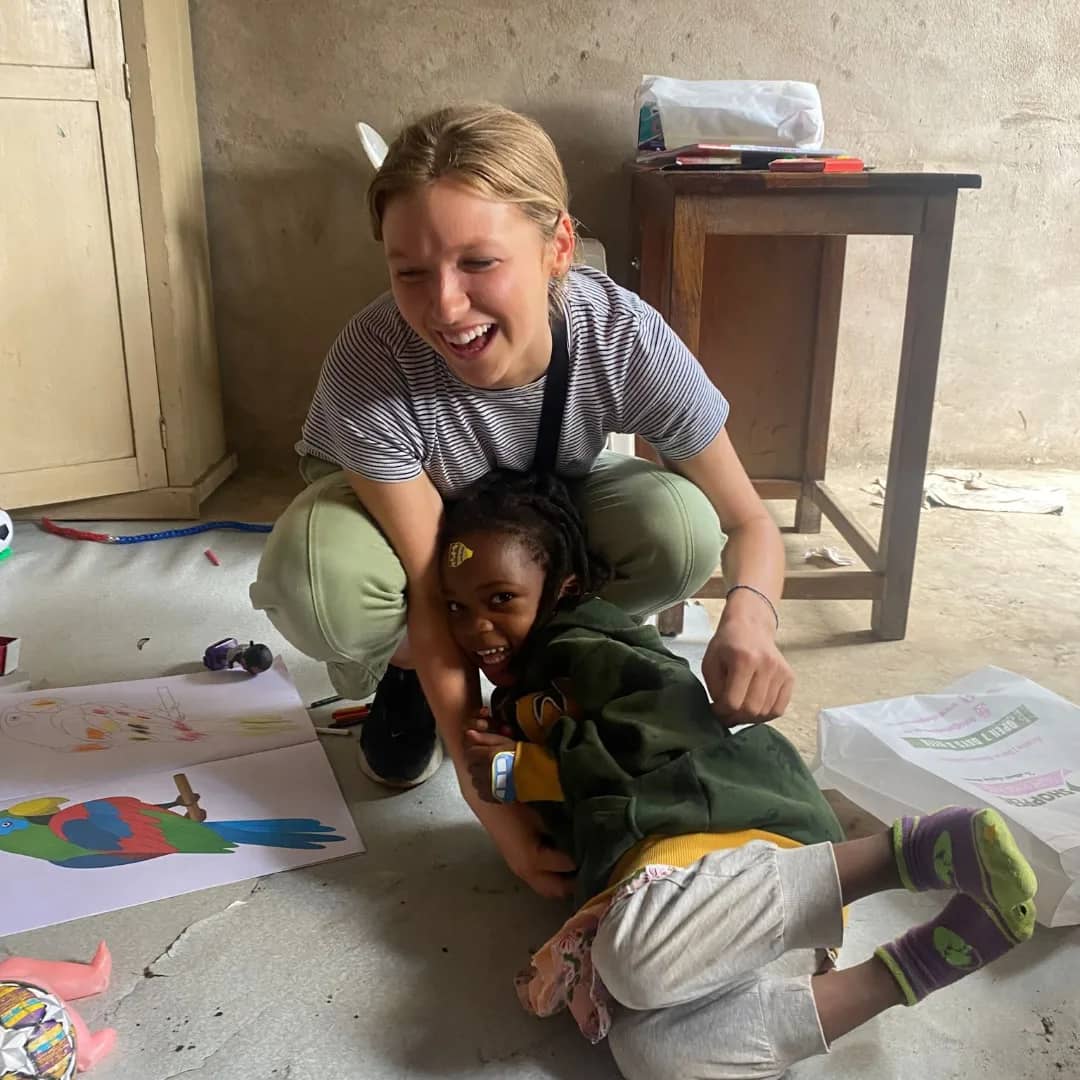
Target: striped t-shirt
x=388, y=407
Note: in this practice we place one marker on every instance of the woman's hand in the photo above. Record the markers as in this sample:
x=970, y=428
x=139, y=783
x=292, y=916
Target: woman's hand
x=748, y=679
x=519, y=835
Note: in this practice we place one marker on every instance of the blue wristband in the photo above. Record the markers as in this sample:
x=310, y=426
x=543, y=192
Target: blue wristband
x=502, y=776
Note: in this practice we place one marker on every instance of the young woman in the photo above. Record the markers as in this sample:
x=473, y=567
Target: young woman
x=443, y=379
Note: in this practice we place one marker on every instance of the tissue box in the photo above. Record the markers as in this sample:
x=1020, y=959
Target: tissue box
x=678, y=112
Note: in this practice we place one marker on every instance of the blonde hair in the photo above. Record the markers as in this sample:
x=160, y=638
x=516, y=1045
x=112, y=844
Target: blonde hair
x=497, y=153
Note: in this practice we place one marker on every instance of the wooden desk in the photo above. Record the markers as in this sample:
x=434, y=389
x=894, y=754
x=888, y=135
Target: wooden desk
x=748, y=268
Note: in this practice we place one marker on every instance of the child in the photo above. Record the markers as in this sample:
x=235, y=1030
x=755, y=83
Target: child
x=710, y=867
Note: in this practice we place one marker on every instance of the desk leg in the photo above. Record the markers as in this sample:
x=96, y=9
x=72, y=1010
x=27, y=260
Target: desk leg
x=927, y=284
x=684, y=314
x=819, y=402
x=670, y=621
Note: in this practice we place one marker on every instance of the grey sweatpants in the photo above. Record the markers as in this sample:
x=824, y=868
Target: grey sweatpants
x=711, y=966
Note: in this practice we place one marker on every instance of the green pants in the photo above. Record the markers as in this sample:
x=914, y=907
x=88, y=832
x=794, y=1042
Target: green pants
x=331, y=584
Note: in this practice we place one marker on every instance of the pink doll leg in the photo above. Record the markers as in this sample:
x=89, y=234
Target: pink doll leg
x=66, y=980
x=90, y=1048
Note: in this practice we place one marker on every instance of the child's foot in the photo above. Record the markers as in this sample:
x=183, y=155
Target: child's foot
x=971, y=851
x=963, y=938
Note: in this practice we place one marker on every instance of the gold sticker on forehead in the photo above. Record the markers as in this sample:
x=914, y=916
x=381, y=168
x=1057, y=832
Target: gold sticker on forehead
x=458, y=554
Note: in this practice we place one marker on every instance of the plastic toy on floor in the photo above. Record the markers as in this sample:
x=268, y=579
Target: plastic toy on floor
x=228, y=652
x=7, y=531
x=41, y=1036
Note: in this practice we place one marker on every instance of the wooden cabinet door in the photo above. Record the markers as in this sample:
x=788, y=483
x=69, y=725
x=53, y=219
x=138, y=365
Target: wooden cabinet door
x=79, y=410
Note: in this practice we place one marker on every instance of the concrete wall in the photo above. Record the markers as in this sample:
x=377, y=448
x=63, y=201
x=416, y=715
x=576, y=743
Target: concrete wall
x=953, y=85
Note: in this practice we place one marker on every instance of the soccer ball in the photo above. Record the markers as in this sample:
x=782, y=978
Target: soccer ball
x=7, y=530
x=37, y=1039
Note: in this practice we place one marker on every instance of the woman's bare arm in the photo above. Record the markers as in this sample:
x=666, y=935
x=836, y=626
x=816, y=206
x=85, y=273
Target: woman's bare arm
x=747, y=676
x=410, y=515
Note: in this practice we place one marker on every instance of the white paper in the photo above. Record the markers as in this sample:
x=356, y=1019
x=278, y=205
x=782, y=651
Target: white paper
x=968, y=490
x=288, y=783
x=828, y=555
x=972, y=491
x=990, y=739
x=111, y=731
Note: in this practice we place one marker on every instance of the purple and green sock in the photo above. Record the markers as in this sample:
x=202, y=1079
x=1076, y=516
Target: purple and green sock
x=968, y=851
x=974, y=853
x=962, y=939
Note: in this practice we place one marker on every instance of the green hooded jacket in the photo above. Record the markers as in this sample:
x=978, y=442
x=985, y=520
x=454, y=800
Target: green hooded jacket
x=640, y=752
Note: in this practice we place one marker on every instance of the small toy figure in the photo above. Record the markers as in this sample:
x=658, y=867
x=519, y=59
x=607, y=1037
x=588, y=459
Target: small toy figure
x=7, y=531
x=228, y=652
x=42, y=1038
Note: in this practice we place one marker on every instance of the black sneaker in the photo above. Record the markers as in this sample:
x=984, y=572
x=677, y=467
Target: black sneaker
x=398, y=743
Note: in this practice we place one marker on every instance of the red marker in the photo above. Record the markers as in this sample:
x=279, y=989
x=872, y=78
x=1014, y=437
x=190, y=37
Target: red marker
x=212, y=557
x=349, y=717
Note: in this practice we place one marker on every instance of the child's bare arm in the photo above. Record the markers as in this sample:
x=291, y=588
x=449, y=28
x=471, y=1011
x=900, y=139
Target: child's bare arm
x=481, y=749
x=503, y=770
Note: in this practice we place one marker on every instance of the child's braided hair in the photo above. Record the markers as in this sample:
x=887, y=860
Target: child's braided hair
x=537, y=509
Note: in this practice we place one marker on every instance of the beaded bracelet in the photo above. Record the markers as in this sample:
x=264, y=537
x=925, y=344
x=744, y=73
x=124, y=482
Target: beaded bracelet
x=756, y=592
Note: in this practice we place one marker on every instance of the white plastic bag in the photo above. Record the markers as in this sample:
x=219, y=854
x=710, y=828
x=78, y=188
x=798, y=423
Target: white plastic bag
x=680, y=112
x=991, y=739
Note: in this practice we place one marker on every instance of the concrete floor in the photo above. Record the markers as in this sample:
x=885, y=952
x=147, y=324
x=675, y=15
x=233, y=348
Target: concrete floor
x=398, y=963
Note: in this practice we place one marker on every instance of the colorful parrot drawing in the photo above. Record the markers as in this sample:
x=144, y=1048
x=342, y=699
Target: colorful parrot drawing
x=118, y=830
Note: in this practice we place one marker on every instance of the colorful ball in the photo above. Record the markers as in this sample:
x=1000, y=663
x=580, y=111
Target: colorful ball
x=37, y=1040
x=7, y=532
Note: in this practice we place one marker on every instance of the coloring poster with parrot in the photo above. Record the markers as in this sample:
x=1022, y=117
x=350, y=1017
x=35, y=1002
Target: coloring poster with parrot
x=71, y=851
x=106, y=733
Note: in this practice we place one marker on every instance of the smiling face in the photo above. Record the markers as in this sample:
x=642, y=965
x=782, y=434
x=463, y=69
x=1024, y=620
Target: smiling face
x=493, y=586
x=470, y=276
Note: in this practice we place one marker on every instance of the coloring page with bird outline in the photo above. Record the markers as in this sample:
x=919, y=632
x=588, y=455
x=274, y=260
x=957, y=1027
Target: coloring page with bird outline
x=112, y=731
x=86, y=849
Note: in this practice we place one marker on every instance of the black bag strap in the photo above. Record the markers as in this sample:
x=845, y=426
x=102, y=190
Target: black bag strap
x=551, y=412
